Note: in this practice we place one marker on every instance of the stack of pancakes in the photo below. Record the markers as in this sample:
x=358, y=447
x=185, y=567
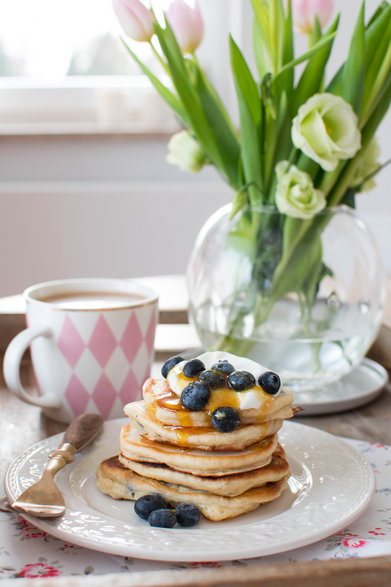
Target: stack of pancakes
x=177, y=453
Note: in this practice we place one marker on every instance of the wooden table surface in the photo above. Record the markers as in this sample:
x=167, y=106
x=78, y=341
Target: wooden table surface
x=22, y=425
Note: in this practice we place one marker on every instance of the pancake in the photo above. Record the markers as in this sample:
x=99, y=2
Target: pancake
x=225, y=470
x=227, y=485
x=164, y=406
x=135, y=447
x=116, y=480
x=207, y=438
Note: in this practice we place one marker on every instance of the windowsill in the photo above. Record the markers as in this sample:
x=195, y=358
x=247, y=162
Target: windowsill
x=163, y=129
x=115, y=105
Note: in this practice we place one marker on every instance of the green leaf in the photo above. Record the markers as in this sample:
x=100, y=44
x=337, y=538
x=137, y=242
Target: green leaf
x=316, y=32
x=311, y=80
x=266, y=47
x=284, y=142
x=273, y=38
x=227, y=142
x=335, y=85
x=277, y=21
x=169, y=97
x=190, y=100
x=188, y=89
x=377, y=74
x=379, y=111
x=376, y=32
x=245, y=82
x=286, y=80
x=304, y=56
x=250, y=120
x=379, y=11
x=260, y=55
x=288, y=46
x=354, y=68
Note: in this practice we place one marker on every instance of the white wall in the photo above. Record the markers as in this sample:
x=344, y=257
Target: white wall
x=112, y=206
x=139, y=229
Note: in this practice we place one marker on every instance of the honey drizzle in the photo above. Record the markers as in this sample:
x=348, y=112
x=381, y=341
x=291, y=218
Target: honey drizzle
x=219, y=397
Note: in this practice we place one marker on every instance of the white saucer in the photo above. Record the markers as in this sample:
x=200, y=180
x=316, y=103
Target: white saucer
x=359, y=387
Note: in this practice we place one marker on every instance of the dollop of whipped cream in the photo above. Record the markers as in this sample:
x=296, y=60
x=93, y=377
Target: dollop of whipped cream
x=252, y=398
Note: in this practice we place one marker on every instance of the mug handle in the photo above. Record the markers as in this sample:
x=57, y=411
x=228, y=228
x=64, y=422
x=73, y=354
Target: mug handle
x=11, y=367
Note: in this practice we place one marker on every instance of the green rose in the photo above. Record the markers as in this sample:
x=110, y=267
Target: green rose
x=295, y=192
x=367, y=164
x=184, y=151
x=326, y=130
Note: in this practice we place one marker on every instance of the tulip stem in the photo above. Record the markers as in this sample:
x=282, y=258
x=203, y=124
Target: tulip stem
x=159, y=57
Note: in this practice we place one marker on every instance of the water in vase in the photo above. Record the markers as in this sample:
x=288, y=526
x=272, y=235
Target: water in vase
x=307, y=354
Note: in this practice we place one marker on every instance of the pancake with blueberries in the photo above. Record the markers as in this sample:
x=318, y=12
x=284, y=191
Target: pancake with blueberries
x=163, y=405
x=205, y=434
x=116, y=480
x=191, y=391
x=206, y=438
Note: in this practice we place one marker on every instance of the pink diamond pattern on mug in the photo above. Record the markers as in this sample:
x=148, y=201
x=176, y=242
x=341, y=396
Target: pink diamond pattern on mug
x=104, y=395
x=132, y=338
x=70, y=342
x=130, y=388
x=105, y=377
x=102, y=342
x=77, y=395
x=150, y=334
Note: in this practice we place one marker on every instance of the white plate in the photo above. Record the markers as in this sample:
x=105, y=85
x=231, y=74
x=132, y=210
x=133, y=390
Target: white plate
x=357, y=388
x=330, y=486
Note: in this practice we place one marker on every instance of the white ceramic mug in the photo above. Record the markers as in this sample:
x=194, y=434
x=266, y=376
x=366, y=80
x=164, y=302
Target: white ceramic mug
x=92, y=345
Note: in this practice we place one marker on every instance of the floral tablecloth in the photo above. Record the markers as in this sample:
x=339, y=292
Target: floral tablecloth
x=26, y=551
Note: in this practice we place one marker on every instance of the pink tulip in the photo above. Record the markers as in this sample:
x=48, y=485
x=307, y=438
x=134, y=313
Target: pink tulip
x=186, y=22
x=305, y=11
x=135, y=19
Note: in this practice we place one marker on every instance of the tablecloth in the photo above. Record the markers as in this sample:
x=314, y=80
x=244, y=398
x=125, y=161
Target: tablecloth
x=26, y=551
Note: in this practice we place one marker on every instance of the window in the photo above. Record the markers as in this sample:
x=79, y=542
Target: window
x=63, y=68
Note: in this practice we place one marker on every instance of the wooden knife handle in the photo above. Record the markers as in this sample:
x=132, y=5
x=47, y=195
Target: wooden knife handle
x=82, y=430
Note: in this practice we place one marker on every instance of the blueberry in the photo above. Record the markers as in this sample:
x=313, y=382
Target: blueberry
x=193, y=368
x=241, y=380
x=214, y=379
x=195, y=396
x=168, y=365
x=187, y=514
x=224, y=366
x=163, y=518
x=149, y=503
x=270, y=382
x=225, y=419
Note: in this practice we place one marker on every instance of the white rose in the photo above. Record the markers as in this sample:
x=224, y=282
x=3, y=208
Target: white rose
x=326, y=130
x=295, y=192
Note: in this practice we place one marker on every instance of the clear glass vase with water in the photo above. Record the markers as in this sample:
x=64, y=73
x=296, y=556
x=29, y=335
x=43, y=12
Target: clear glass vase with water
x=311, y=320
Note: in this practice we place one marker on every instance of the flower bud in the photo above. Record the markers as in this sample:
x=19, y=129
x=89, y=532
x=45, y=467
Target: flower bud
x=187, y=24
x=304, y=12
x=135, y=19
x=295, y=192
x=184, y=151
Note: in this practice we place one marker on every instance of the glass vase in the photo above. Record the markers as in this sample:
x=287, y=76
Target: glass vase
x=304, y=298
